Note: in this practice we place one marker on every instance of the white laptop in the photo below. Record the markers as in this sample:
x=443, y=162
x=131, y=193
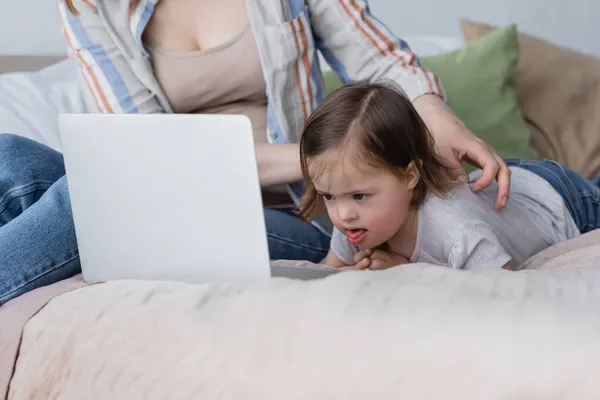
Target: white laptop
x=171, y=197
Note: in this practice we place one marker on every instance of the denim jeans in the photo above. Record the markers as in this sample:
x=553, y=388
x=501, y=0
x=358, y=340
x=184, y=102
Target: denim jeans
x=37, y=237
x=581, y=196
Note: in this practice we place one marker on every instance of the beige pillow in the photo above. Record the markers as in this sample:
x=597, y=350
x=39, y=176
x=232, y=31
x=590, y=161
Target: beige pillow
x=579, y=251
x=558, y=90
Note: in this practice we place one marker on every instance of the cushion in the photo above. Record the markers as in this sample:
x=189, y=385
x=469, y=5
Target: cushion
x=477, y=79
x=558, y=90
x=583, y=249
x=31, y=101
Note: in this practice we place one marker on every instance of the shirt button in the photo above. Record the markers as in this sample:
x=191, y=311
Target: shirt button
x=273, y=134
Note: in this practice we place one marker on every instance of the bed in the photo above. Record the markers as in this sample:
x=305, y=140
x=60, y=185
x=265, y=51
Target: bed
x=414, y=332
x=418, y=331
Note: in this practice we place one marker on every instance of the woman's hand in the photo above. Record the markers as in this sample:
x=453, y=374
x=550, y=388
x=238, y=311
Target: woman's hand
x=456, y=143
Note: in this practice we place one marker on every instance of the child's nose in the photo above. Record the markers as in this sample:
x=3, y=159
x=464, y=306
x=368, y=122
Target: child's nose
x=346, y=212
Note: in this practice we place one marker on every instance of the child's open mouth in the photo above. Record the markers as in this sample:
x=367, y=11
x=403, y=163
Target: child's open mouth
x=355, y=236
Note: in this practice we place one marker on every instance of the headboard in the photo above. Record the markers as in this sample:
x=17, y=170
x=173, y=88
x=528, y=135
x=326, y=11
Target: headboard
x=26, y=63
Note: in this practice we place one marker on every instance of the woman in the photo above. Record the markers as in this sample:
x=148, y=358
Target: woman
x=233, y=56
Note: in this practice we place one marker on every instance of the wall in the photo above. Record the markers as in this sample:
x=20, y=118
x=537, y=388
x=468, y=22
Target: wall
x=20, y=34
x=571, y=23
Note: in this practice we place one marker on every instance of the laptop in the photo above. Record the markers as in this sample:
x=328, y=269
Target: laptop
x=169, y=197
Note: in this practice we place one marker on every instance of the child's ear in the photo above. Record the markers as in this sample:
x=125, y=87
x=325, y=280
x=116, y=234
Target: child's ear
x=412, y=175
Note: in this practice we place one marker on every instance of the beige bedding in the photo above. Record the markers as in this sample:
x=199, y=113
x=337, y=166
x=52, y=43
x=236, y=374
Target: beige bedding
x=412, y=332
x=13, y=317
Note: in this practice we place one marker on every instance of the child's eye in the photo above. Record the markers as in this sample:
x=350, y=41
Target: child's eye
x=360, y=196
x=327, y=197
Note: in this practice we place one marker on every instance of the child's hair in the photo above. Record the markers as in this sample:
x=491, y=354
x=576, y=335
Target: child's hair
x=379, y=120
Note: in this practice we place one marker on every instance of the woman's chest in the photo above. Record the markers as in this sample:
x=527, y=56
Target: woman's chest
x=192, y=25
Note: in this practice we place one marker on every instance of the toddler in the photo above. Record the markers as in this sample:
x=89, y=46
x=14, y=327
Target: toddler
x=369, y=161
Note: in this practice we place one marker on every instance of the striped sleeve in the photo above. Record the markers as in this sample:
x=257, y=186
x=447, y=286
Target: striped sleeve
x=106, y=74
x=360, y=48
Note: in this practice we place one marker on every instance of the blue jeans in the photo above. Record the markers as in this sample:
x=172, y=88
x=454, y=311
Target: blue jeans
x=37, y=237
x=581, y=196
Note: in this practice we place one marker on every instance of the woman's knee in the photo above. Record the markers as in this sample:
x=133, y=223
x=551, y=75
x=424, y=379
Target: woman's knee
x=11, y=143
x=23, y=159
x=291, y=238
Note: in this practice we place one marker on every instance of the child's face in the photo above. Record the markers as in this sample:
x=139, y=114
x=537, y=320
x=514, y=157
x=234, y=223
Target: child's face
x=369, y=205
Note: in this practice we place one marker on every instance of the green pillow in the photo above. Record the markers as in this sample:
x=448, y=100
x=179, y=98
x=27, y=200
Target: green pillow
x=478, y=82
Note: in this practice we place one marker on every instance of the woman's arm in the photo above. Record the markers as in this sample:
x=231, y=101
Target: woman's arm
x=278, y=164
x=360, y=48
x=106, y=74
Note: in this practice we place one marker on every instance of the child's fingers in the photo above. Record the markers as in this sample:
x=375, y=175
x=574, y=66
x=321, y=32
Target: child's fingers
x=360, y=265
x=364, y=263
x=382, y=260
x=378, y=259
x=379, y=264
x=359, y=255
x=380, y=255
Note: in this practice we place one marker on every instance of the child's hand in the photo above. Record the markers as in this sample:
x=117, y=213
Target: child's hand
x=381, y=259
x=375, y=260
x=361, y=260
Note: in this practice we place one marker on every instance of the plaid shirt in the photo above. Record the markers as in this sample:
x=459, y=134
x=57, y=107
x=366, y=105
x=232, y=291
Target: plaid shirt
x=119, y=78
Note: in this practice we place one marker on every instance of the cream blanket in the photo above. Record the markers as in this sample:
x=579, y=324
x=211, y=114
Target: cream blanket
x=412, y=332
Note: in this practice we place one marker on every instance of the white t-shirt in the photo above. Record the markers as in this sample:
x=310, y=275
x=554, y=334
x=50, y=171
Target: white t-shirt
x=465, y=231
